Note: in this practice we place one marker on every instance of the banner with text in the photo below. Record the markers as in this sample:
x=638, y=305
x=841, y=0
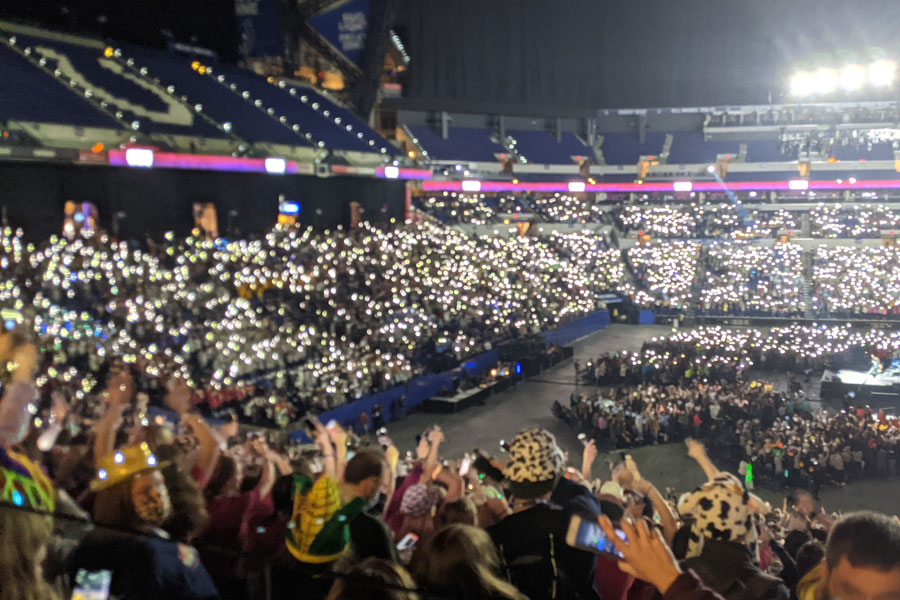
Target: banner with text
x=344, y=27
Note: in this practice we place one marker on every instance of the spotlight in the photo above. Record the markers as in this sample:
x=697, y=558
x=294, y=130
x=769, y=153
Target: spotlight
x=825, y=81
x=852, y=78
x=882, y=73
x=711, y=169
x=802, y=84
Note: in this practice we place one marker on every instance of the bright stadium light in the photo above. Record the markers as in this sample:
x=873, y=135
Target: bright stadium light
x=711, y=169
x=802, y=84
x=683, y=186
x=825, y=81
x=882, y=73
x=139, y=157
x=276, y=166
x=852, y=78
x=471, y=185
x=576, y=186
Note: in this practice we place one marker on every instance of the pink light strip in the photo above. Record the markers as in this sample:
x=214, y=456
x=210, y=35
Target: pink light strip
x=407, y=173
x=698, y=186
x=204, y=162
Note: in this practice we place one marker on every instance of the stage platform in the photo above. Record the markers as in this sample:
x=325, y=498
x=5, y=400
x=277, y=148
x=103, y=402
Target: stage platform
x=462, y=400
x=880, y=390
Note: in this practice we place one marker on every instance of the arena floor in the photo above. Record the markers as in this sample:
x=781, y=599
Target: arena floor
x=528, y=405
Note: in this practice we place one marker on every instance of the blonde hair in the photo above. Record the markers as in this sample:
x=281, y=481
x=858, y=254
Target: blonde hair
x=367, y=581
x=23, y=541
x=461, y=561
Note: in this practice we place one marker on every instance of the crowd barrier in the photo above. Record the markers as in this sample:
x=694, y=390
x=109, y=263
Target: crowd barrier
x=420, y=389
x=569, y=332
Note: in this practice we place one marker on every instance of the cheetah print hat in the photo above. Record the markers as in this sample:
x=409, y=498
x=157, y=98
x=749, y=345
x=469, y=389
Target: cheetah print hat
x=721, y=511
x=535, y=463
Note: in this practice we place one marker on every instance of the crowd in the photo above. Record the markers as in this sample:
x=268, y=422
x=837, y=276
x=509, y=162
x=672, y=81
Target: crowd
x=860, y=221
x=563, y=208
x=666, y=221
x=667, y=271
x=852, y=281
x=294, y=321
x=753, y=280
x=116, y=508
x=451, y=207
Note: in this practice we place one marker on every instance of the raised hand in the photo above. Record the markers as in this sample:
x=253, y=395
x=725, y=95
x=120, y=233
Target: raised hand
x=646, y=554
x=695, y=449
x=178, y=397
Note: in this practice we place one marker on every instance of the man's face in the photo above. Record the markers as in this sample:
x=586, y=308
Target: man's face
x=847, y=582
x=151, y=498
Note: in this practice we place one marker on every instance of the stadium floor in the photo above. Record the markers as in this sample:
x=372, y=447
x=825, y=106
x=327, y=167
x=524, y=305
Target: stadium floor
x=528, y=405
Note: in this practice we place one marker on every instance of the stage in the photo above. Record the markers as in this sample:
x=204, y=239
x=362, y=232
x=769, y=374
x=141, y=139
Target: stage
x=881, y=390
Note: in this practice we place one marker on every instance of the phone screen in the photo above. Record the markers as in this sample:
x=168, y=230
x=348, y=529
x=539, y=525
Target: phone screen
x=464, y=466
x=409, y=540
x=92, y=585
x=591, y=537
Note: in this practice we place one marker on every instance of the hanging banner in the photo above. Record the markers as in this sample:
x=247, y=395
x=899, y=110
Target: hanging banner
x=259, y=25
x=344, y=27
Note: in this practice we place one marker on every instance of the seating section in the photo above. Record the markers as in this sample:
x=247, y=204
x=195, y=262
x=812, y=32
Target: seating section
x=765, y=151
x=220, y=103
x=692, y=148
x=463, y=144
x=136, y=97
x=878, y=151
x=31, y=95
x=542, y=148
x=626, y=148
x=165, y=95
x=349, y=123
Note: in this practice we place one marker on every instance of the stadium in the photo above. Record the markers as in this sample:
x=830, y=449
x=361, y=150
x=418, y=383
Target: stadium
x=499, y=300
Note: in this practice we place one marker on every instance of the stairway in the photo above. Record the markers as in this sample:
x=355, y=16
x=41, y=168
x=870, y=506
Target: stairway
x=806, y=299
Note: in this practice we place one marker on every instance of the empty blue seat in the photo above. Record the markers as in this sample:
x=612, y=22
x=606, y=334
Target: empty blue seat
x=542, y=148
x=125, y=91
x=219, y=102
x=692, y=148
x=31, y=95
x=626, y=148
x=356, y=124
x=463, y=144
x=765, y=151
x=879, y=151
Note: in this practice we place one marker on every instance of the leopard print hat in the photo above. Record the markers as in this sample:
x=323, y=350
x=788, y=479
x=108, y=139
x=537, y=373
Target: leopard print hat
x=535, y=464
x=721, y=511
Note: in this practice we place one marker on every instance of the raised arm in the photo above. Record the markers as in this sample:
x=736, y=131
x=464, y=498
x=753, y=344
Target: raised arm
x=697, y=451
x=178, y=399
x=119, y=390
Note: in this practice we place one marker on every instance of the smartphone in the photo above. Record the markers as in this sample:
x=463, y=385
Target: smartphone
x=409, y=540
x=465, y=465
x=92, y=585
x=587, y=535
x=309, y=425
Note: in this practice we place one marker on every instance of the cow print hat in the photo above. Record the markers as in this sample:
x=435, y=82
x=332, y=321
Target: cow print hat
x=535, y=464
x=721, y=512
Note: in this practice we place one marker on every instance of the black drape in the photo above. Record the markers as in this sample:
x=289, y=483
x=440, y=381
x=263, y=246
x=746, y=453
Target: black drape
x=159, y=200
x=614, y=53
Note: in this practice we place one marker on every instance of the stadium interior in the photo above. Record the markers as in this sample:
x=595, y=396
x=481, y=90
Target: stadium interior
x=405, y=299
